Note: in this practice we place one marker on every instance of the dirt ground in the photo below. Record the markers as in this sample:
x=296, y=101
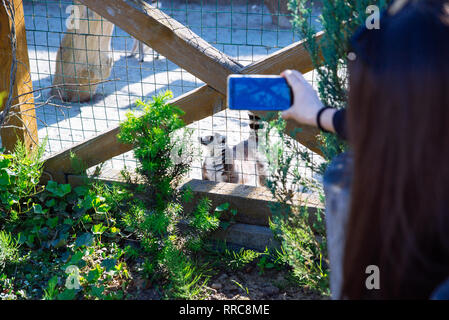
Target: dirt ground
x=272, y=285
x=245, y=284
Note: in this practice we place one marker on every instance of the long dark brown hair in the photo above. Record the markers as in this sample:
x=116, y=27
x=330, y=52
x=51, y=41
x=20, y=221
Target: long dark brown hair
x=398, y=125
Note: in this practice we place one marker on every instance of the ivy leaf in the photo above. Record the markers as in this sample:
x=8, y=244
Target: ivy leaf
x=57, y=243
x=4, y=178
x=98, y=228
x=81, y=190
x=222, y=207
x=94, y=274
x=97, y=292
x=86, y=239
x=58, y=190
x=64, y=189
x=37, y=208
x=68, y=222
x=114, y=230
x=52, y=222
x=77, y=259
x=104, y=208
x=50, y=203
x=86, y=218
x=87, y=202
x=67, y=294
x=52, y=187
x=108, y=264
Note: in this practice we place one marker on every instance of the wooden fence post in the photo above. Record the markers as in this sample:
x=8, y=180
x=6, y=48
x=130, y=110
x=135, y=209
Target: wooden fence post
x=23, y=125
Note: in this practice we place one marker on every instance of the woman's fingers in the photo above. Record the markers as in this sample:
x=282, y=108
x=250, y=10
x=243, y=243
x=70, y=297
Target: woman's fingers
x=306, y=102
x=298, y=75
x=292, y=79
x=286, y=114
x=294, y=82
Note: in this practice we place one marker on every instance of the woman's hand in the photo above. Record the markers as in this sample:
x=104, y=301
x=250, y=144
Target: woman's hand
x=306, y=103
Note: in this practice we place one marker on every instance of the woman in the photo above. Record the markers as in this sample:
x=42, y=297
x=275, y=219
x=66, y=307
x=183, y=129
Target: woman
x=397, y=126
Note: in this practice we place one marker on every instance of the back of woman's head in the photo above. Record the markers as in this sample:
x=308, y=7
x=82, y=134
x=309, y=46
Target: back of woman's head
x=398, y=122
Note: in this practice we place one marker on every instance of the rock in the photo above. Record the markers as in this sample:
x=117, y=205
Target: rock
x=270, y=290
x=216, y=286
x=223, y=277
x=280, y=278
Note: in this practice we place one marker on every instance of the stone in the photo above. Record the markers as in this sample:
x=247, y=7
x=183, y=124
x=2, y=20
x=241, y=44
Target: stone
x=216, y=286
x=270, y=290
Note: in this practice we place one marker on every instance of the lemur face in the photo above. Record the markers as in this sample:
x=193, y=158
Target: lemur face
x=215, y=139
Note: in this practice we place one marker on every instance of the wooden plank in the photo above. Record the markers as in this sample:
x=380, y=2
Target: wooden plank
x=252, y=203
x=197, y=104
x=26, y=116
x=170, y=38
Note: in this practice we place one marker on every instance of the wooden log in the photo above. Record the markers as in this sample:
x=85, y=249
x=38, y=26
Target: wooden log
x=252, y=203
x=23, y=125
x=170, y=38
x=197, y=104
x=84, y=57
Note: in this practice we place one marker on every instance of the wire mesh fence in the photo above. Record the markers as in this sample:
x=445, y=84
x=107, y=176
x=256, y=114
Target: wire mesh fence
x=245, y=30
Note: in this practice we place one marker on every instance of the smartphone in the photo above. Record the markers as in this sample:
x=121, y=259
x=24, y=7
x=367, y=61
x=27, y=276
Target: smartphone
x=259, y=92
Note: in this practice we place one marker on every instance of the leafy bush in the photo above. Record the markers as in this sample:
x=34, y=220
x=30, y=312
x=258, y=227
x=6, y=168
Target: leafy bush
x=162, y=154
x=161, y=146
x=19, y=177
x=303, y=244
x=55, y=226
x=8, y=249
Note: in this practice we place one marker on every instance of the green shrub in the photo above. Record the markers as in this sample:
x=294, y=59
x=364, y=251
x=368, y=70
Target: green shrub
x=55, y=226
x=303, y=245
x=158, y=147
x=9, y=249
x=162, y=148
x=20, y=173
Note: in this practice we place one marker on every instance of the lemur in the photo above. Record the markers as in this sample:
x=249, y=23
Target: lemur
x=139, y=46
x=242, y=164
x=218, y=162
x=142, y=49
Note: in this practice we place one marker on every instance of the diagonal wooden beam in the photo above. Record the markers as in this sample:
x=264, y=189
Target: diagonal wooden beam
x=197, y=104
x=170, y=38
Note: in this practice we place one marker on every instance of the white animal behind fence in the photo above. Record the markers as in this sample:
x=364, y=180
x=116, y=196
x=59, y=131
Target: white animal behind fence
x=84, y=56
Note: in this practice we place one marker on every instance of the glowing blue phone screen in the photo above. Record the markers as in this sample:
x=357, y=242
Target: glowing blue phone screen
x=271, y=94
